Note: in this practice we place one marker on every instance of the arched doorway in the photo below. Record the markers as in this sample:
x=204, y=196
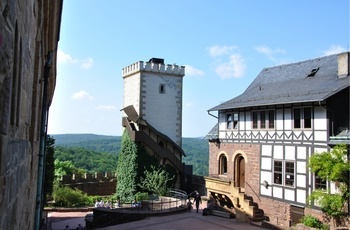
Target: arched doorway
x=240, y=171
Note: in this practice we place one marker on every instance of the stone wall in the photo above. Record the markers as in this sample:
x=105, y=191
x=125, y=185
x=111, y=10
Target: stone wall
x=98, y=184
x=29, y=30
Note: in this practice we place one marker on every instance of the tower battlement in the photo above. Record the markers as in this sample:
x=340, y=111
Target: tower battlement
x=153, y=67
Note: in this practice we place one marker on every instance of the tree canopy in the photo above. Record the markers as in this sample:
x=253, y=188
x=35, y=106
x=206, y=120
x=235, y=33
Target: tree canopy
x=334, y=167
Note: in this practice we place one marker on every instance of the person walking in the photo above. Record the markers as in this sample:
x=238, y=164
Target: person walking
x=197, y=199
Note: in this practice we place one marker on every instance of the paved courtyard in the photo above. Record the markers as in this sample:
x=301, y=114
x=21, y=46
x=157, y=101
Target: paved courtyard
x=183, y=221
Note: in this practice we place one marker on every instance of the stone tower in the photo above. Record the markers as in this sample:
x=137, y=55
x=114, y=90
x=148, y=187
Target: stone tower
x=155, y=91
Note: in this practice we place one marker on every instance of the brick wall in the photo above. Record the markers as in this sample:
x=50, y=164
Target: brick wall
x=278, y=212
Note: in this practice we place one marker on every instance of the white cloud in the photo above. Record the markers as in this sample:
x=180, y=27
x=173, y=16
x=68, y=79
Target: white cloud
x=189, y=104
x=270, y=53
x=334, y=49
x=82, y=95
x=87, y=64
x=235, y=68
x=191, y=71
x=215, y=50
x=65, y=58
x=106, y=107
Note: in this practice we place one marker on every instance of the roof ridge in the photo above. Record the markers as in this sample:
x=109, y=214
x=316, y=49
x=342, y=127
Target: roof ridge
x=303, y=61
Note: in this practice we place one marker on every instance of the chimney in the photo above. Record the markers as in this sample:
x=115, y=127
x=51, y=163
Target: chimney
x=343, y=65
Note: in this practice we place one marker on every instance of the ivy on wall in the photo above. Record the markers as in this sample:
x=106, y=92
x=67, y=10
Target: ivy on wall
x=133, y=161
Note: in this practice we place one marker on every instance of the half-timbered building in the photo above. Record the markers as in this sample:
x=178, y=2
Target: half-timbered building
x=260, y=147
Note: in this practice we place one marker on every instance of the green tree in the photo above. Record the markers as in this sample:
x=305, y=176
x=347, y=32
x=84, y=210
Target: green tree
x=49, y=168
x=66, y=168
x=332, y=166
x=156, y=181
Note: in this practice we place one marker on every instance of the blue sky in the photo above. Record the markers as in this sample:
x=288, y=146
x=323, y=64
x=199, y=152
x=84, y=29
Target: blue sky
x=224, y=44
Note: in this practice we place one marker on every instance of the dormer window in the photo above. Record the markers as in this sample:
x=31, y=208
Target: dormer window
x=313, y=72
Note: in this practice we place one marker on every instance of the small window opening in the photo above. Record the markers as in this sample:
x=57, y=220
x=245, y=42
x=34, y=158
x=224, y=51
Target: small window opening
x=313, y=72
x=161, y=88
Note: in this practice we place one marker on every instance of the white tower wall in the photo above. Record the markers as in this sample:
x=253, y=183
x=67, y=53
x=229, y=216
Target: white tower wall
x=155, y=91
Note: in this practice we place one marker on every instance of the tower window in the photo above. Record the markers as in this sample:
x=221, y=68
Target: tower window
x=161, y=88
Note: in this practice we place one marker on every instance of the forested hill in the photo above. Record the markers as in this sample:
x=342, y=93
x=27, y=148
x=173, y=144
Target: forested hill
x=196, y=150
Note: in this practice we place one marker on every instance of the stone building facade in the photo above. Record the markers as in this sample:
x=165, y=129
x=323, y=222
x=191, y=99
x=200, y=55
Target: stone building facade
x=29, y=34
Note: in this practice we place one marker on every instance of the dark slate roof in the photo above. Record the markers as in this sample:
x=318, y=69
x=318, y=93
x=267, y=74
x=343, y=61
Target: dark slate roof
x=289, y=83
x=213, y=133
x=342, y=138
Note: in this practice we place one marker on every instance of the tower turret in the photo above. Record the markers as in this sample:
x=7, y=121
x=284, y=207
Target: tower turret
x=155, y=91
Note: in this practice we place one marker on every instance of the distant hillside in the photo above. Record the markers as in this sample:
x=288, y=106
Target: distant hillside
x=196, y=149
x=100, y=143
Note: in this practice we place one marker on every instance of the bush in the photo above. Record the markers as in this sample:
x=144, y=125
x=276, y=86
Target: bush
x=68, y=197
x=140, y=196
x=313, y=222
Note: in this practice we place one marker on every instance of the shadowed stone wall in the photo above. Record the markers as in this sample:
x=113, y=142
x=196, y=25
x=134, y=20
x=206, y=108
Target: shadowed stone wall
x=28, y=31
x=99, y=184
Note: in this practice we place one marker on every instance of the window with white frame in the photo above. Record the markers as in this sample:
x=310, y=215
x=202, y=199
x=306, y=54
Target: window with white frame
x=302, y=118
x=223, y=165
x=232, y=120
x=284, y=172
x=263, y=119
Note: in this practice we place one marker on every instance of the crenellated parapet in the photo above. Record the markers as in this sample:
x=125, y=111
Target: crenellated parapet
x=87, y=178
x=101, y=184
x=153, y=67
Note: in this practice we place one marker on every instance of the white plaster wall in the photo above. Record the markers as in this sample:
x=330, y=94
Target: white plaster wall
x=301, y=167
x=290, y=153
x=266, y=176
x=301, y=152
x=265, y=191
x=163, y=110
x=288, y=119
x=320, y=150
x=320, y=118
x=301, y=181
x=266, y=150
x=222, y=121
x=132, y=92
x=266, y=163
x=289, y=194
x=321, y=135
x=248, y=124
x=278, y=192
x=301, y=196
x=278, y=152
x=279, y=119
